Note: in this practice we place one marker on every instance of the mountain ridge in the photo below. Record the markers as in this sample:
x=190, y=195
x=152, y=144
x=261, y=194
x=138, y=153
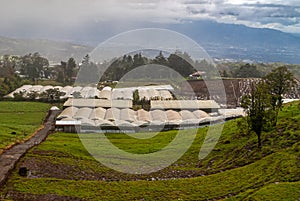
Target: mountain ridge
x=220, y=40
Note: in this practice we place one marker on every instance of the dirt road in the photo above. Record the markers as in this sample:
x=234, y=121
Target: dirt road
x=10, y=157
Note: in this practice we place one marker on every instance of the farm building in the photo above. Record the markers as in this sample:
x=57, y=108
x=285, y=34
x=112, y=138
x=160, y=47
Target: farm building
x=128, y=120
x=100, y=115
x=111, y=110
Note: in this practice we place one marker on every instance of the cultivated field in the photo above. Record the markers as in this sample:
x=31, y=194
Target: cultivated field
x=61, y=168
x=18, y=120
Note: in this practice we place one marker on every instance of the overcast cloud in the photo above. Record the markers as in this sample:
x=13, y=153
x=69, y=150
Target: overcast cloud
x=28, y=16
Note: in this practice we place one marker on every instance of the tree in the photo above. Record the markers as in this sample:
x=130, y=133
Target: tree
x=138, y=60
x=32, y=95
x=88, y=72
x=136, y=97
x=257, y=106
x=86, y=59
x=160, y=59
x=66, y=70
x=9, y=84
x=4, y=89
x=70, y=67
x=77, y=94
x=51, y=95
x=7, y=66
x=248, y=71
x=32, y=65
x=180, y=63
x=19, y=96
x=279, y=81
x=60, y=76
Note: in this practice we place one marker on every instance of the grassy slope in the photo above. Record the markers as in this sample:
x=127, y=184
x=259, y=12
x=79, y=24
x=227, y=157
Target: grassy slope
x=279, y=191
x=218, y=185
x=235, y=168
x=20, y=117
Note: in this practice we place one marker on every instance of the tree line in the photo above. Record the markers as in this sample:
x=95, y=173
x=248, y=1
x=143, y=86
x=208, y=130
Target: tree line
x=16, y=71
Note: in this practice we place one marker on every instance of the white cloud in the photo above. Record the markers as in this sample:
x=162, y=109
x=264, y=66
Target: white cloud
x=51, y=15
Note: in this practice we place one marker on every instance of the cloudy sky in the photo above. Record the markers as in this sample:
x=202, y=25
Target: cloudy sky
x=24, y=18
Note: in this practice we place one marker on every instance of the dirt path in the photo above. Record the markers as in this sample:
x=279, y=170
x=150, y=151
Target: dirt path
x=10, y=157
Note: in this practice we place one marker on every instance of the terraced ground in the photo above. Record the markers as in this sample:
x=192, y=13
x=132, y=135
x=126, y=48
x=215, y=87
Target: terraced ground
x=19, y=120
x=61, y=168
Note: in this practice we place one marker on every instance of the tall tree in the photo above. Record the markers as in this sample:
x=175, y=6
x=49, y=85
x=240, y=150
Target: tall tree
x=32, y=65
x=257, y=106
x=160, y=59
x=280, y=81
x=180, y=63
x=139, y=60
x=70, y=70
x=89, y=72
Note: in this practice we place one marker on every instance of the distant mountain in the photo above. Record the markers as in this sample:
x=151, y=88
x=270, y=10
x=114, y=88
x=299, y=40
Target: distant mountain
x=220, y=40
x=243, y=43
x=224, y=41
x=53, y=50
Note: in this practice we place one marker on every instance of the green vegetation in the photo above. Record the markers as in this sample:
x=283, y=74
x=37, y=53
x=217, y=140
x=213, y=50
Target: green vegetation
x=66, y=71
x=247, y=71
x=177, y=61
x=16, y=71
x=265, y=100
x=200, y=188
x=235, y=170
x=279, y=81
x=257, y=105
x=239, y=69
x=19, y=120
x=280, y=191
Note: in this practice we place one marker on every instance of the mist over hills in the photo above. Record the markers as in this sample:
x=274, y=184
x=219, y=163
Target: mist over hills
x=224, y=41
x=55, y=51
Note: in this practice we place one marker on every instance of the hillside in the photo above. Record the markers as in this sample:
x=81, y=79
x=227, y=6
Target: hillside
x=55, y=51
x=243, y=43
x=61, y=169
x=224, y=41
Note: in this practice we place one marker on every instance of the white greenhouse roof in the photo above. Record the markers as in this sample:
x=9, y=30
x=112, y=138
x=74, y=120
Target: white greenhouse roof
x=92, y=103
x=184, y=104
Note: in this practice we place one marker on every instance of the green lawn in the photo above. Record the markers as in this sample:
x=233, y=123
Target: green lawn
x=18, y=120
x=234, y=170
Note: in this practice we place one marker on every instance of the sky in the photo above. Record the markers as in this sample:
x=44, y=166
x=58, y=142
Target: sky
x=43, y=18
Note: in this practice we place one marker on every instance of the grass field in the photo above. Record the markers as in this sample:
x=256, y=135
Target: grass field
x=18, y=120
x=62, y=169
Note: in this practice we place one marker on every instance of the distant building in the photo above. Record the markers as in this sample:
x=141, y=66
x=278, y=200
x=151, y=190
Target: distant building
x=198, y=75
